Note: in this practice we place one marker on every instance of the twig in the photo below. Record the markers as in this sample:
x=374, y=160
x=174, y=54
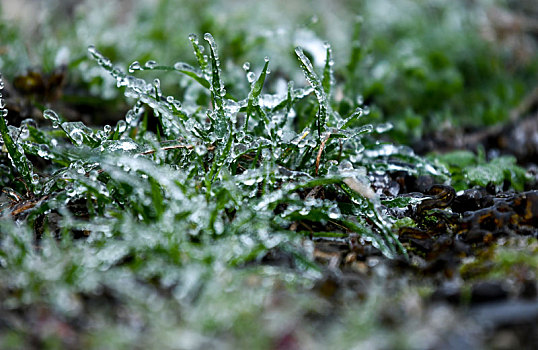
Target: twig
x=321, y=148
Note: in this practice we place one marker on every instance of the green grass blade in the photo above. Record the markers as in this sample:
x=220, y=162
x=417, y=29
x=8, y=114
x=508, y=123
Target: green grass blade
x=255, y=92
x=328, y=72
x=316, y=83
x=216, y=87
x=15, y=151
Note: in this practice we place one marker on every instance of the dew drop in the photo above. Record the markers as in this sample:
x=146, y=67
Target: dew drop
x=246, y=66
x=208, y=37
x=381, y=128
x=200, y=150
x=251, y=77
x=334, y=213
x=193, y=38
x=52, y=116
x=121, y=126
x=134, y=66
x=24, y=132
x=151, y=64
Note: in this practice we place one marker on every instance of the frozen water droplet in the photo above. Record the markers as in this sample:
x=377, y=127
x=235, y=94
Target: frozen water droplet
x=92, y=50
x=43, y=151
x=151, y=64
x=334, y=212
x=121, y=126
x=157, y=87
x=200, y=150
x=381, y=128
x=77, y=136
x=360, y=100
x=24, y=132
x=246, y=66
x=134, y=66
x=193, y=38
x=130, y=117
x=266, y=58
x=107, y=128
x=251, y=77
x=169, y=99
x=181, y=66
x=345, y=165
x=52, y=116
x=249, y=182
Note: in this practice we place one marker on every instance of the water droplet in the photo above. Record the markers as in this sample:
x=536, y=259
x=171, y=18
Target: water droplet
x=157, y=87
x=92, y=50
x=76, y=136
x=200, y=149
x=24, y=132
x=381, y=128
x=193, y=38
x=334, y=212
x=43, y=151
x=345, y=165
x=266, y=58
x=251, y=77
x=151, y=64
x=208, y=37
x=246, y=66
x=134, y=66
x=52, y=116
x=121, y=126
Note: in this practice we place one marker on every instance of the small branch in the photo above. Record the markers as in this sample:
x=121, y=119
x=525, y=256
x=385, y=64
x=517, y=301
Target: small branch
x=321, y=148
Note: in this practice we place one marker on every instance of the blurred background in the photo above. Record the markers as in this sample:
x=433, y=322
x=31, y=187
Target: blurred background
x=423, y=65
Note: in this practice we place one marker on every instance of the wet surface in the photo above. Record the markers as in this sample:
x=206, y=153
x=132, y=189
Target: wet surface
x=454, y=251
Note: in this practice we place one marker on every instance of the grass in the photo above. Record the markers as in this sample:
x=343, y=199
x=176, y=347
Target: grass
x=127, y=232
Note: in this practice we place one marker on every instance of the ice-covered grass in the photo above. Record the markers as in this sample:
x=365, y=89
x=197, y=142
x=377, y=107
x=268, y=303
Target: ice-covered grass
x=218, y=184
x=189, y=222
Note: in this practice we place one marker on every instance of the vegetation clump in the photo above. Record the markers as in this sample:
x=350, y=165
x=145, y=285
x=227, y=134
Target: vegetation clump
x=247, y=206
